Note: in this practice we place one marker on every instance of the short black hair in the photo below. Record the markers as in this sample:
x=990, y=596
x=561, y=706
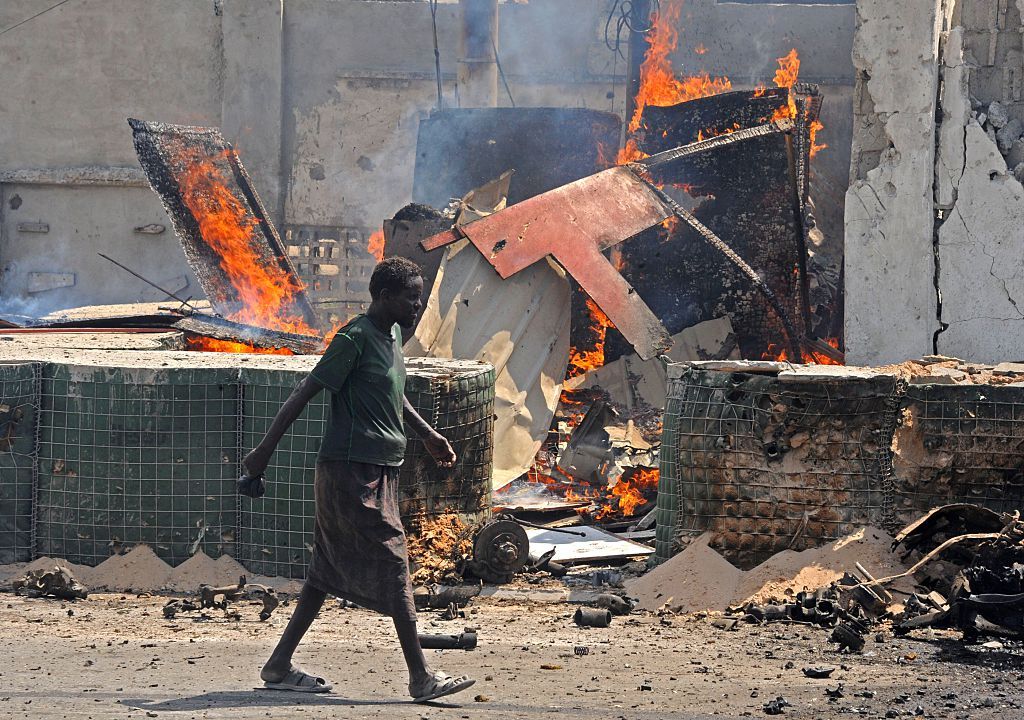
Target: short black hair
x=394, y=274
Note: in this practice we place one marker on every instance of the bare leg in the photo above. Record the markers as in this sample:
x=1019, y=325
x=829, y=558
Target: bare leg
x=309, y=604
x=411, y=649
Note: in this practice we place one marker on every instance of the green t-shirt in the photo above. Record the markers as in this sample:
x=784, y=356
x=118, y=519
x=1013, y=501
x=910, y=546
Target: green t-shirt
x=365, y=371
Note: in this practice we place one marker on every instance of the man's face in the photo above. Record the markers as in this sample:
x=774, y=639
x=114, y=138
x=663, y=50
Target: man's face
x=404, y=306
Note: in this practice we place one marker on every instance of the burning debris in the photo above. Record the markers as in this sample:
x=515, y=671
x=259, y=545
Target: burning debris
x=229, y=241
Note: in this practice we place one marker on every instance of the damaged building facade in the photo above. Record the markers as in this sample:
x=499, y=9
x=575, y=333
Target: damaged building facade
x=935, y=208
x=323, y=100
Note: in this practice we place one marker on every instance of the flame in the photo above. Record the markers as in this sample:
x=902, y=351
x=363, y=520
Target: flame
x=815, y=148
x=658, y=84
x=630, y=494
x=375, y=245
x=208, y=344
x=584, y=360
x=789, y=70
x=267, y=291
x=808, y=356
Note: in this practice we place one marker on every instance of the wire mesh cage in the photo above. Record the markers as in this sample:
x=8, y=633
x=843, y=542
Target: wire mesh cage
x=19, y=391
x=455, y=397
x=129, y=456
x=771, y=463
x=97, y=459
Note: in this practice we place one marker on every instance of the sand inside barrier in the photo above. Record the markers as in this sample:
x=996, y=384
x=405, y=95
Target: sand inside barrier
x=698, y=578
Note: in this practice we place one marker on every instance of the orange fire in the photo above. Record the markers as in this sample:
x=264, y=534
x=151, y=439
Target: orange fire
x=659, y=85
x=584, y=360
x=267, y=291
x=375, y=245
x=809, y=356
x=630, y=494
x=208, y=344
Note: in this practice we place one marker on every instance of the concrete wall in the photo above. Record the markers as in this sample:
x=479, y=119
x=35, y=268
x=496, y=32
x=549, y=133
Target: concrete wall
x=935, y=213
x=322, y=99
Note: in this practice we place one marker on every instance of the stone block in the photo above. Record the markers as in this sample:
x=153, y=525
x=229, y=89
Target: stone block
x=1009, y=134
x=1016, y=155
x=997, y=114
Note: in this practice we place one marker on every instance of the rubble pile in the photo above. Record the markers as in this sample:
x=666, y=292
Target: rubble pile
x=1006, y=132
x=438, y=549
x=699, y=578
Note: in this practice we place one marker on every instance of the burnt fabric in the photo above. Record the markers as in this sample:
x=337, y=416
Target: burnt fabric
x=359, y=550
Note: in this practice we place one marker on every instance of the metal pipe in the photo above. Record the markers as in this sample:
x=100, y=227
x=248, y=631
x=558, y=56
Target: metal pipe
x=593, y=617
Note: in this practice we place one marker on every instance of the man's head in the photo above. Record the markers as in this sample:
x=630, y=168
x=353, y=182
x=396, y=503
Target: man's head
x=396, y=287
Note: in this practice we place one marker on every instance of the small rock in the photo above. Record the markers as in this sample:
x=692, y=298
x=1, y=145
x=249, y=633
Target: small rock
x=646, y=686
x=481, y=698
x=919, y=710
x=988, y=702
x=892, y=712
x=1018, y=172
x=1007, y=135
x=1016, y=155
x=819, y=673
x=997, y=114
x=774, y=707
x=976, y=104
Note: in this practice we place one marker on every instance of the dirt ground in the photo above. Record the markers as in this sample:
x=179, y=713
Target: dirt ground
x=115, y=656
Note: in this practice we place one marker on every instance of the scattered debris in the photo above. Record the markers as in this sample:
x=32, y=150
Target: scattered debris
x=592, y=617
x=774, y=707
x=818, y=673
x=57, y=582
x=466, y=640
x=438, y=548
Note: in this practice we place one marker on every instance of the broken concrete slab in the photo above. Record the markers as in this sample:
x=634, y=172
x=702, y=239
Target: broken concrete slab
x=979, y=250
x=630, y=380
x=956, y=111
x=889, y=207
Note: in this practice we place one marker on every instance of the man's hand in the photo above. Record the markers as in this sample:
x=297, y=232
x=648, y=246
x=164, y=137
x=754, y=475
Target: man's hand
x=440, y=449
x=255, y=463
x=254, y=487
x=251, y=484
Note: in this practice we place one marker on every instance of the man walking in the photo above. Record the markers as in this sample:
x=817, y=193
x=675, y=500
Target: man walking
x=359, y=548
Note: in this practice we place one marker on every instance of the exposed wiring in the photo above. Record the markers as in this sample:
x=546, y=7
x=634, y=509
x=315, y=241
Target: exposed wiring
x=501, y=72
x=624, y=21
x=29, y=19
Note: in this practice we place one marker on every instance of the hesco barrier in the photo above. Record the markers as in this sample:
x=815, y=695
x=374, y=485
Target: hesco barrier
x=96, y=459
x=19, y=393
x=456, y=397
x=129, y=456
x=771, y=463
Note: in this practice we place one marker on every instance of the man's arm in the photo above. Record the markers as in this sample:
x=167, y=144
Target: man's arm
x=255, y=463
x=438, y=447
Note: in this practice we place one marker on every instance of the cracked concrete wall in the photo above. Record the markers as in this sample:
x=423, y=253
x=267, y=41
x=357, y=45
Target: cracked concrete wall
x=961, y=292
x=891, y=306
x=978, y=185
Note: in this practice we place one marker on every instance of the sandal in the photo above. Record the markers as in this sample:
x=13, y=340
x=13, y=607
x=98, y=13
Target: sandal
x=438, y=685
x=300, y=681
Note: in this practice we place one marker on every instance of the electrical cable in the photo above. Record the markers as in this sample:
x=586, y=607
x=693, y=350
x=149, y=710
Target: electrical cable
x=624, y=8
x=28, y=19
x=502, y=73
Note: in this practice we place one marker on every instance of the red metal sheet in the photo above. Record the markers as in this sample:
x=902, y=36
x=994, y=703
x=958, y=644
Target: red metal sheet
x=597, y=212
x=573, y=224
